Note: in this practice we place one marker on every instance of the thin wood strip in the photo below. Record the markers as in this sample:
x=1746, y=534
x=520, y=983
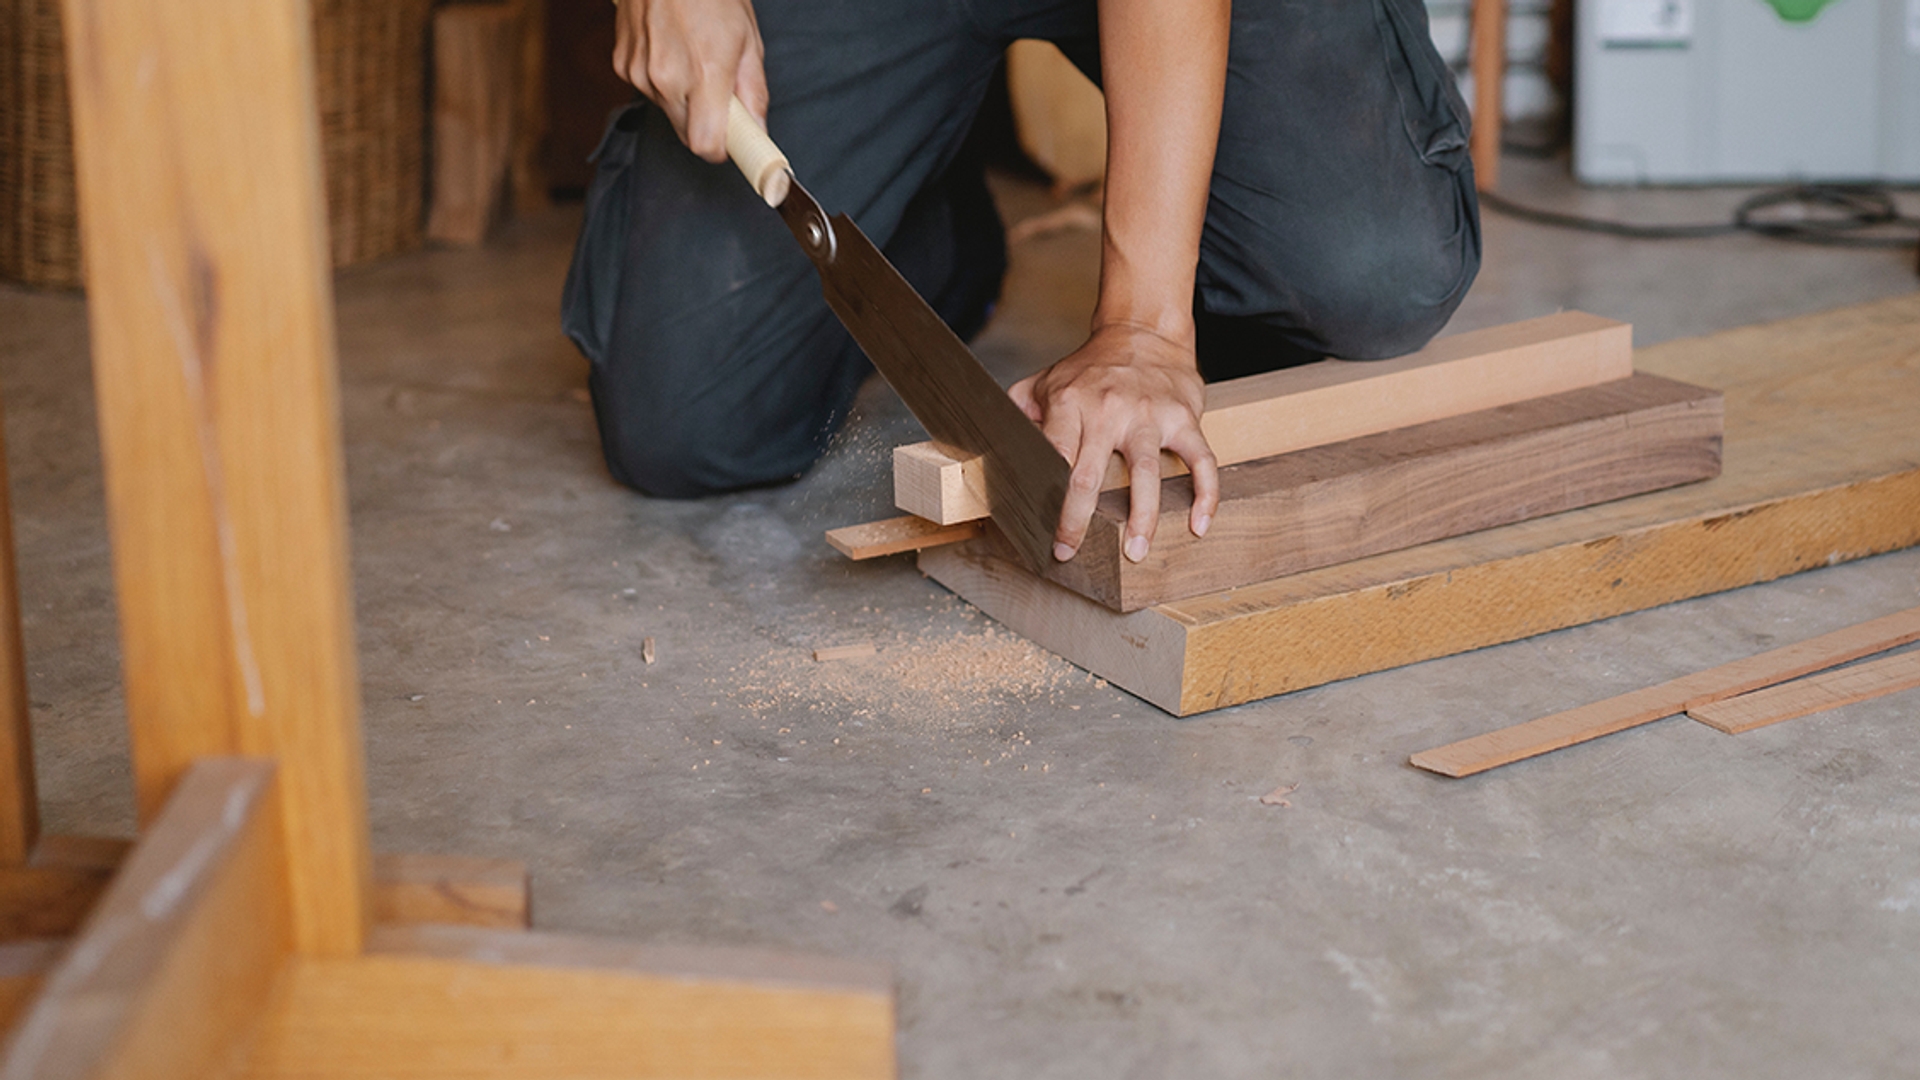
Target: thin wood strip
x=1561, y=729
x=892, y=536
x=175, y=962
x=1815, y=693
x=211, y=315
x=1278, y=412
x=19, y=796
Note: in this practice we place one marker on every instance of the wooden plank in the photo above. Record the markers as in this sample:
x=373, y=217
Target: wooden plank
x=52, y=894
x=1815, y=693
x=1822, y=465
x=1331, y=401
x=441, y=1002
x=174, y=964
x=19, y=797
x=477, y=51
x=1562, y=729
x=1335, y=503
x=212, y=326
x=895, y=535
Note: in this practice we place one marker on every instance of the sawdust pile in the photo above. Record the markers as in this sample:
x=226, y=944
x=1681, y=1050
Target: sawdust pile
x=933, y=678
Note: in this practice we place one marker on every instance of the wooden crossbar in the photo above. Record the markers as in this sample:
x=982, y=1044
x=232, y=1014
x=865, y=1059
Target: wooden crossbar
x=453, y=1002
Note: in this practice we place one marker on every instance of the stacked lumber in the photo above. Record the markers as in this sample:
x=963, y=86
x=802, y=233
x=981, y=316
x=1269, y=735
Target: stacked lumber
x=1336, y=461
x=1822, y=465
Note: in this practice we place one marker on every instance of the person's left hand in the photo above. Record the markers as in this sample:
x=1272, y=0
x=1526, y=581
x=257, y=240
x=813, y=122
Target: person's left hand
x=1131, y=391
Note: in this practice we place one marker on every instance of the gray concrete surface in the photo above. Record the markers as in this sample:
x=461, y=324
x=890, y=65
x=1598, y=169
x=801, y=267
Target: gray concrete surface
x=1067, y=882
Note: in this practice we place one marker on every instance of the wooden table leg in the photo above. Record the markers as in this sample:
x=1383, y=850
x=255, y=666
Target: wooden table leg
x=1489, y=76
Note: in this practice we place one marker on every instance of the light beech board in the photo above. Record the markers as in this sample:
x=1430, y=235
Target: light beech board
x=1335, y=503
x=443, y=1002
x=1815, y=693
x=895, y=535
x=19, y=797
x=211, y=314
x=1821, y=465
x=1295, y=408
x=1561, y=729
x=173, y=965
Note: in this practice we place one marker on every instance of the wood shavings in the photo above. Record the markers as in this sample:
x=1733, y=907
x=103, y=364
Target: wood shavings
x=1278, y=796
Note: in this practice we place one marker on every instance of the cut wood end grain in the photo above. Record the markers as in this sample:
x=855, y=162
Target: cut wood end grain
x=859, y=651
x=896, y=535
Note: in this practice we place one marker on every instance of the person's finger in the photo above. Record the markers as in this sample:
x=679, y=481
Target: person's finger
x=1083, y=493
x=630, y=55
x=1192, y=447
x=750, y=81
x=1143, y=474
x=1064, y=427
x=707, y=110
x=1022, y=395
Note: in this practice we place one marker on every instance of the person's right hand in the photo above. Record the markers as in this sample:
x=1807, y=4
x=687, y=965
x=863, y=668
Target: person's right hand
x=689, y=57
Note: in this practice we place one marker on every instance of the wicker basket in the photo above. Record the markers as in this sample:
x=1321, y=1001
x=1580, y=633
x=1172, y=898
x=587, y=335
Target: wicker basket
x=39, y=223
x=370, y=69
x=370, y=64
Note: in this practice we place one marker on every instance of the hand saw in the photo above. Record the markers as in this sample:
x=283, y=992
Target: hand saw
x=941, y=381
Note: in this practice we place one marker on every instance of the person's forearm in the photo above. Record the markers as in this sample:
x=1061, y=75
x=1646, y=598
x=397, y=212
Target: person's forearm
x=1164, y=65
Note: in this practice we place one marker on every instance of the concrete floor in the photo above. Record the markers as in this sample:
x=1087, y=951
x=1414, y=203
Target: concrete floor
x=1067, y=882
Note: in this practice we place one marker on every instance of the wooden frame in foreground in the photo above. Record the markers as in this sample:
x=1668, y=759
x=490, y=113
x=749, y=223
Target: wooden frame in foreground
x=1822, y=465
x=240, y=935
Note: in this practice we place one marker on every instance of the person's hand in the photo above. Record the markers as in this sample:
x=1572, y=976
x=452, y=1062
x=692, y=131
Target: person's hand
x=689, y=57
x=1131, y=391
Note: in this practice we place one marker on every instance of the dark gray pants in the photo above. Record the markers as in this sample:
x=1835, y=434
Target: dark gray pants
x=1341, y=221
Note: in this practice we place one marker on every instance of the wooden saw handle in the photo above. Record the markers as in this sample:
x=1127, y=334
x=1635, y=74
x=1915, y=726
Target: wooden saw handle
x=762, y=162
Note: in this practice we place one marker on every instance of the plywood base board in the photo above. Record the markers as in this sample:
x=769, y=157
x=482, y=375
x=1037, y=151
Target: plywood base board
x=1822, y=465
